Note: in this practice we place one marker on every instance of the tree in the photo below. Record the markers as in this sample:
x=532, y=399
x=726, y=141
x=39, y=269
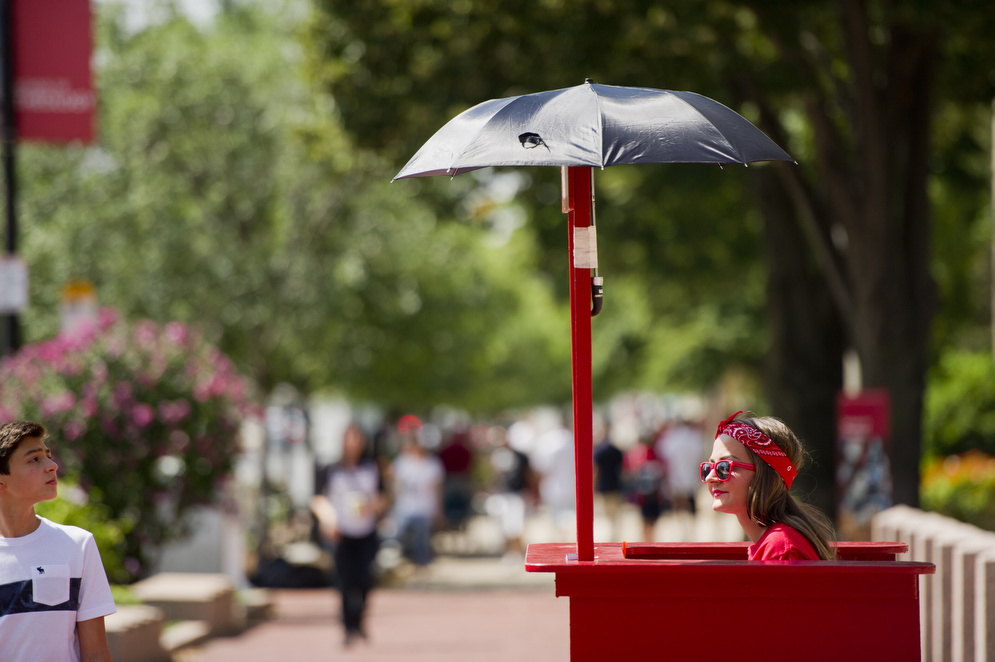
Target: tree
x=865, y=76
x=223, y=192
x=399, y=70
x=848, y=87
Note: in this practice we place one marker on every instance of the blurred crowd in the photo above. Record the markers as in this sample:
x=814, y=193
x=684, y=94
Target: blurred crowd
x=437, y=478
x=390, y=496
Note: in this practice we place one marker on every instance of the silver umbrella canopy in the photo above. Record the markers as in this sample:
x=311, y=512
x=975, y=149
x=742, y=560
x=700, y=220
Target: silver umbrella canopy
x=592, y=125
x=580, y=128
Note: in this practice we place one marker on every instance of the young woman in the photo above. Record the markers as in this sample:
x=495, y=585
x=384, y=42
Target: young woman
x=749, y=474
x=348, y=507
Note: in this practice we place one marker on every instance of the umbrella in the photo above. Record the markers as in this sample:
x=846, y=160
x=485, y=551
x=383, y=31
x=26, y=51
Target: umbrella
x=592, y=125
x=580, y=128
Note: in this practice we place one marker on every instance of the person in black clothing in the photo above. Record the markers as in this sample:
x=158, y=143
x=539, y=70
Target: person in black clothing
x=608, y=461
x=350, y=501
x=512, y=478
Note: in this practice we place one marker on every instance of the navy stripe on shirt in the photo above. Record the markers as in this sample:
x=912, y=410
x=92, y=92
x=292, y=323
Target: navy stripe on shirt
x=18, y=598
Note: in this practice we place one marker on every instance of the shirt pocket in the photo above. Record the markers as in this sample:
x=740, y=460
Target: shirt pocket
x=50, y=584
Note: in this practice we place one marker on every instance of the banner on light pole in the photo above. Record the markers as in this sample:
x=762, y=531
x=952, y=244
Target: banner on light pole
x=54, y=99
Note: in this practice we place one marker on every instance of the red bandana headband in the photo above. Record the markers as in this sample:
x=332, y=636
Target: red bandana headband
x=761, y=445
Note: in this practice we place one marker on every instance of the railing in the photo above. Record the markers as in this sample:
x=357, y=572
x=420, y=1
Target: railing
x=957, y=603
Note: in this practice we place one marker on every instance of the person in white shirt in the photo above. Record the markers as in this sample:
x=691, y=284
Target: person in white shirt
x=348, y=507
x=681, y=447
x=417, y=485
x=54, y=592
x=553, y=460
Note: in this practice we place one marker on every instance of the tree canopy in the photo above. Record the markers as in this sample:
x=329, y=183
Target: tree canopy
x=222, y=192
x=850, y=88
x=241, y=182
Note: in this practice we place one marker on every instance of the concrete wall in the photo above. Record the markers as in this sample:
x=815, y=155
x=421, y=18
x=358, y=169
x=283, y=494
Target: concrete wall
x=957, y=605
x=216, y=545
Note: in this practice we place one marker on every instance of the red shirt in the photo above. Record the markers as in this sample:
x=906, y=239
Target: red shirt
x=781, y=542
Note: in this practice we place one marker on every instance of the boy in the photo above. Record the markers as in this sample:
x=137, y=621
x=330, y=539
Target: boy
x=53, y=590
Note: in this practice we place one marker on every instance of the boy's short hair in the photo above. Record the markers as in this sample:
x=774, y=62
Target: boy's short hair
x=11, y=436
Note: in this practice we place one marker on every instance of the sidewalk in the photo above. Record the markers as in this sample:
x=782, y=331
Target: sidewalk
x=469, y=604
x=414, y=626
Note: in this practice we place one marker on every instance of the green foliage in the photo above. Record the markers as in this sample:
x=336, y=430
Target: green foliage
x=960, y=405
x=961, y=486
x=223, y=191
x=682, y=248
x=241, y=181
x=143, y=417
x=399, y=69
x=963, y=226
x=75, y=507
x=124, y=595
x=673, y=240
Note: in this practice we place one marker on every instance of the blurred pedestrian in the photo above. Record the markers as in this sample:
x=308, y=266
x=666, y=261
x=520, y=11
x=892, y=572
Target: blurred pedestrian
x=553, y=460
x=54, y=593
x=646, y=488
x=608, y=460
x=681, y=448
x=348, y=507
x=457, y=486
x=416, y=477
x=506, y=503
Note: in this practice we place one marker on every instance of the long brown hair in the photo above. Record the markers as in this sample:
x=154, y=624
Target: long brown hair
x=768, y=499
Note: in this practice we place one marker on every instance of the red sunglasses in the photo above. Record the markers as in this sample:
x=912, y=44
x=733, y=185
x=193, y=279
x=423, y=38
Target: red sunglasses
x=723, y=469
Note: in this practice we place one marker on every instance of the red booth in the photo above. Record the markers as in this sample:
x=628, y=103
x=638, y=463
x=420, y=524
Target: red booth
x=675, y=601
x=670, y=602
x=687, y=601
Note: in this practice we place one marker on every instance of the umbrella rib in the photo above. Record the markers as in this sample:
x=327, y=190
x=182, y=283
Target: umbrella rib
x=732, y=148
x=599, y=126
x=468, y=143
x=452, y=169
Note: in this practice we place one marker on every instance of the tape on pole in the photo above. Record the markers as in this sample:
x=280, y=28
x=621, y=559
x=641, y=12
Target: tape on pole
x=585, y=248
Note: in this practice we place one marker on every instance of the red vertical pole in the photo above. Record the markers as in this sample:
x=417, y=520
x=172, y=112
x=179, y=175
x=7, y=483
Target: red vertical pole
x=578, y=196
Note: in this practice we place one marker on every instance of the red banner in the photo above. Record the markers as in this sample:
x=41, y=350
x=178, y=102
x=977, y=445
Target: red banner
x=54, y=100
x=863, y=461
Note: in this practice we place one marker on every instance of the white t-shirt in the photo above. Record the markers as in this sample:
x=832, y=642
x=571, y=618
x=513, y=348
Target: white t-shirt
x=417, y=481
x=683, y=448
x=554, y=459
x=350, y=489
x=49, y=580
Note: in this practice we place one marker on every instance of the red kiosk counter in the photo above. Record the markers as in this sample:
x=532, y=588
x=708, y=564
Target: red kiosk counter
x=690, y=601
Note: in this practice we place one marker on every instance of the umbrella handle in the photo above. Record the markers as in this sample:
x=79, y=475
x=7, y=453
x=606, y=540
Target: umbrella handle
x=597, y=294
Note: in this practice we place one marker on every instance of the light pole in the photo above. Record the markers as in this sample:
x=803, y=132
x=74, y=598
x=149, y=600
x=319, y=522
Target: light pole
x=12, y=339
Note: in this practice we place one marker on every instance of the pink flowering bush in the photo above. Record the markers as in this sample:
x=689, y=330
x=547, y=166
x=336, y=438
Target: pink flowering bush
x=144, y=417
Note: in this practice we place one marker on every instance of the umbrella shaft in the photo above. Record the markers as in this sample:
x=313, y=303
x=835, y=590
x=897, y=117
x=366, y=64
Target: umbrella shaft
x=579, y=195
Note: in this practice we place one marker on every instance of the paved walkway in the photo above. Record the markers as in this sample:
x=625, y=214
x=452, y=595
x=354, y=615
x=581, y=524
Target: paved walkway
x=469, y=604
x=409, y=625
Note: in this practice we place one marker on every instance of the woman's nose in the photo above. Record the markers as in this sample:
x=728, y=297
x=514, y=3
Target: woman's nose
x=711, y=477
